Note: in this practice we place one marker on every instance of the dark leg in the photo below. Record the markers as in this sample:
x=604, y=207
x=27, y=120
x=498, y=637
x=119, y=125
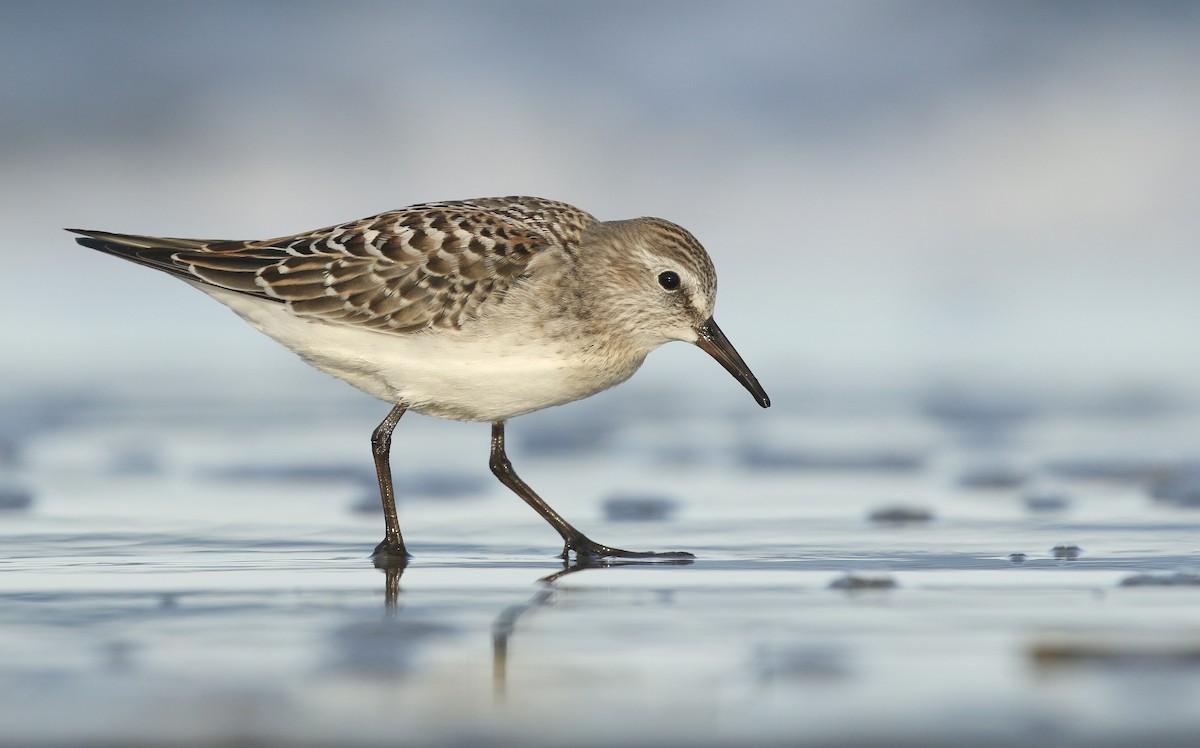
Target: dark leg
x=391, y=552
x=573, y=540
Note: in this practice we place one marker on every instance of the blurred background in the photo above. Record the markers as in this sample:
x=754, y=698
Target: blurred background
x=892, y=192
x=957, y=243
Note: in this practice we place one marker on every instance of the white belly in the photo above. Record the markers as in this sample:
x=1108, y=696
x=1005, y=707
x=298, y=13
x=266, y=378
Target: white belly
x=448, y=373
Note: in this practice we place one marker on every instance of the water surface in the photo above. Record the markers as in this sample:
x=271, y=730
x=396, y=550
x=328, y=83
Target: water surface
x=915, y=569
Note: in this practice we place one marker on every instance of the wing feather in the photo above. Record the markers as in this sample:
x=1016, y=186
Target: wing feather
x=428, y=265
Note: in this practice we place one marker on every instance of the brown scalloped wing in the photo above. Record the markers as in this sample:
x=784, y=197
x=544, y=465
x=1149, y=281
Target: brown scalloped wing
x=428, y=265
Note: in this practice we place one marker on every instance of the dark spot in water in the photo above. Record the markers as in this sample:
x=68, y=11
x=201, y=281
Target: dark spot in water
x=1176, y=579
x=1066, y=552
x=1018, y=558
x=857, y=582
x=634, y=508
x=901, y=514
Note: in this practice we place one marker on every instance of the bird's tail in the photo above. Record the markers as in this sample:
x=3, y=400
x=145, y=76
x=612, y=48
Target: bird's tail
x=158, y=252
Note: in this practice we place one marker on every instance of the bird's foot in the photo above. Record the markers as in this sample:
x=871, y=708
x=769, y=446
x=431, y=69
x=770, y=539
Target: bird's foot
x=584, y=551
x=390, y=554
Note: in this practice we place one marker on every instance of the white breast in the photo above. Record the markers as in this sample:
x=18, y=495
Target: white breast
x=482, y=375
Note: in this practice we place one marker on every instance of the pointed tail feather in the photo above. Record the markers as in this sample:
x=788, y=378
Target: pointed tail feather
x=132, y=241
x=153, y=252
x=169, y=254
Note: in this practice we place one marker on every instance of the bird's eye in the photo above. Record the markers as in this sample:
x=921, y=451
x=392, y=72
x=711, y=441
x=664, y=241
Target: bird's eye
x=669, y=280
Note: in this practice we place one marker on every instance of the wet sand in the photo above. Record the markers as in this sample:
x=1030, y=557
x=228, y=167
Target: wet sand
x=925, y=568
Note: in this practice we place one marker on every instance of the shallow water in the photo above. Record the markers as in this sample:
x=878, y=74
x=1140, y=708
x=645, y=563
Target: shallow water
x=916, y=568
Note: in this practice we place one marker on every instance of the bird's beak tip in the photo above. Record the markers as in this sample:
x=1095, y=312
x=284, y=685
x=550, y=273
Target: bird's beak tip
x=713, y=342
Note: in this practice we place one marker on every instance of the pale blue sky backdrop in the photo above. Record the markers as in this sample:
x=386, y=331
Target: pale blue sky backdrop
x=891, y=191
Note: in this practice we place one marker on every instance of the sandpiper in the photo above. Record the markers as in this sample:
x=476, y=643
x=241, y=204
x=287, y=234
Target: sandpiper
x=476, y=310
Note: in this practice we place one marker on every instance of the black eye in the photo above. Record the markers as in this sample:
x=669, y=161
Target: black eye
x=669, y=280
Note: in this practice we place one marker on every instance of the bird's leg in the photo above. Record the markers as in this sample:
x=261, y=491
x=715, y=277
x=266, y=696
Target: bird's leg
x=390, y=553
x=574, y=541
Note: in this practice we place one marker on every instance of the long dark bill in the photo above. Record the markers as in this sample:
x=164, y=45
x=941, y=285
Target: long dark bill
x=713, y=342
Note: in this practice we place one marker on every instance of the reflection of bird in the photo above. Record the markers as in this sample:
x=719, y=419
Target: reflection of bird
x=476, y=310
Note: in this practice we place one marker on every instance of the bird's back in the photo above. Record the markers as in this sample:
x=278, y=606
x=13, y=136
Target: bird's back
x=428, y=265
